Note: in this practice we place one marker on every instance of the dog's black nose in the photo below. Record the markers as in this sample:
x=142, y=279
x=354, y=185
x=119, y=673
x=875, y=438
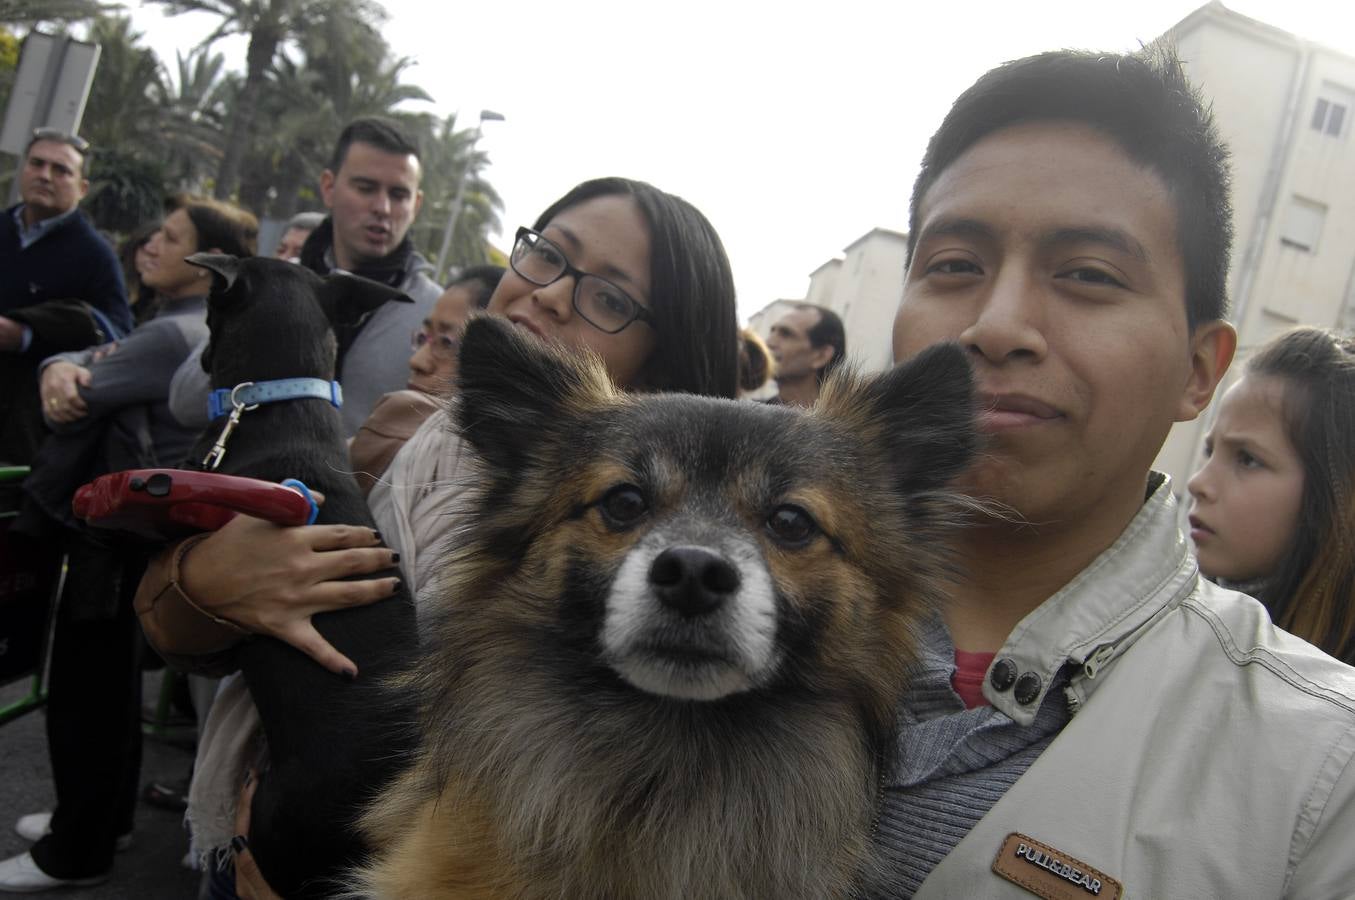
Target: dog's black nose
x=692, y=580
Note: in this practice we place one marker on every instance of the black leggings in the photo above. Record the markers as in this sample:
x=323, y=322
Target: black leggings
x=94, y=724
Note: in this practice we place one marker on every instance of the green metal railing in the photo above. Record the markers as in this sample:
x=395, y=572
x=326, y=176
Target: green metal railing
x=10, y=476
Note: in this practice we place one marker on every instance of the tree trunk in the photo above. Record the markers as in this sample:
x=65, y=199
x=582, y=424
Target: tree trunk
x=263, y=44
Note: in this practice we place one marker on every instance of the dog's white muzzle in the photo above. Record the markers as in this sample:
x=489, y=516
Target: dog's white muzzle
x=692, y=621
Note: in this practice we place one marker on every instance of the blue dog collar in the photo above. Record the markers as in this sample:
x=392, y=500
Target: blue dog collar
x=222, y=400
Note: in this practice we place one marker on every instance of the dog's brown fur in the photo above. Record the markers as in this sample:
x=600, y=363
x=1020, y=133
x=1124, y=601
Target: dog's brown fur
x=544, y=772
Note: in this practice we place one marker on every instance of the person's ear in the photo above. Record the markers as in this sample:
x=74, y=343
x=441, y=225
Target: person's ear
x=1212, y=345
x=418, y=203
x=84, y=187
x=821, y=356
x=327, y=188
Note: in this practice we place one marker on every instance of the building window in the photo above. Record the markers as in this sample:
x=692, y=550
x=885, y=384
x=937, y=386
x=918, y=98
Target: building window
x=1332, y=110
x=1302, y=225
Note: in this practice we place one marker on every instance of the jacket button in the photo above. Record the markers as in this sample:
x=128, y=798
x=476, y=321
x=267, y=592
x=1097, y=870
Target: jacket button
x=1003, y=674
x=1027, y=688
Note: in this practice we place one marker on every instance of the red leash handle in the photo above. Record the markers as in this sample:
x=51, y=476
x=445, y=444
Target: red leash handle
x=164, y=504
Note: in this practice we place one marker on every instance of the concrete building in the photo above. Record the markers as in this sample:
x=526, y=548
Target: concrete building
x=1286, y=106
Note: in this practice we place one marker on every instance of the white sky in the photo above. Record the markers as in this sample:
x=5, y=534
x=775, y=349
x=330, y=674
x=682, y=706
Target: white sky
x=795, y=127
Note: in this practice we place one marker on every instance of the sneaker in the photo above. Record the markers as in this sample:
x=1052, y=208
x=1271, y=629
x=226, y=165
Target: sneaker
x=170, y=795
x=21, y=875
x=35, y=826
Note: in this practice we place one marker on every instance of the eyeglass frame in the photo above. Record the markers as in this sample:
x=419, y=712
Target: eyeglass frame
x=641, y=312
x=56, y=135
x=421, y=337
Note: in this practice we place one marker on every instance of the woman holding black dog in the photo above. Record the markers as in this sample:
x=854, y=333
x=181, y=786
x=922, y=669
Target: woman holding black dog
x=635, y=275
x=108, y=407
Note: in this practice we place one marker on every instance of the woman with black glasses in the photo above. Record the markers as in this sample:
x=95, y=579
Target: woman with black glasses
x=617, y=267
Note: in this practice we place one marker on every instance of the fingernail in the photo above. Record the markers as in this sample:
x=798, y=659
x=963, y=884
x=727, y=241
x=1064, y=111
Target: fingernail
x=350, y=674
x=395, y=558
x=395, y=585
x=239, y=843
x=376, y=534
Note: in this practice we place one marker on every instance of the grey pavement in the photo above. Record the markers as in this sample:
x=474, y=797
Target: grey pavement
x=151, y=869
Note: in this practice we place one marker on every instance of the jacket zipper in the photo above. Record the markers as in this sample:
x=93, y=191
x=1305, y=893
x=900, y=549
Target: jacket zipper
x=1090, y=669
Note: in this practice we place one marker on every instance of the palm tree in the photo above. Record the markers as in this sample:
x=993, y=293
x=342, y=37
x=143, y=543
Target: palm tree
x=195, y=104
x=309, y=103
x=448, y=152
x=123, y=110
x=123, y=123
x=270, y=26
x=31, y=12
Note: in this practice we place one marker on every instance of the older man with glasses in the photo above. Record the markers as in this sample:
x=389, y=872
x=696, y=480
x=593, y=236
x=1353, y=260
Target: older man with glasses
x=60, y=284
x=432, y=374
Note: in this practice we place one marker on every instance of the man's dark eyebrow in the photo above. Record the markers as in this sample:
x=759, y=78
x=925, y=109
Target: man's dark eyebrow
x=1091, y=234
x=956, y=227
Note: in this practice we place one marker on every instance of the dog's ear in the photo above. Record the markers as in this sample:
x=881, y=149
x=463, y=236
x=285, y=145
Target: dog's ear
x=348, y=302
x=515, y=391
x=206, y=359
x=921, y=414
x=224, y=266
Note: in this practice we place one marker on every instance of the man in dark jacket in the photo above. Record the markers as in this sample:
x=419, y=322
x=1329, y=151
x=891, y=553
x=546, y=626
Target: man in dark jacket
x=60, y=284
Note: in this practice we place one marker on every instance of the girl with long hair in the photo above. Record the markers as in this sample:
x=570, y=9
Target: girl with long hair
x=1273, y=509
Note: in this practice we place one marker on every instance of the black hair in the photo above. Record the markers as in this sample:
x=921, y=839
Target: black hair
x=827, y=331
x=75, y=142
x=1312, y=594
x=383, y=134
x=220, y=225
x=1144, y=103
x=691, y=289
x=143, y=299
x=485, y=279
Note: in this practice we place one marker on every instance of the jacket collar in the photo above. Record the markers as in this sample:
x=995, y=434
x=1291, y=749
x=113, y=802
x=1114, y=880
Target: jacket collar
x=1148, y=571
x=28, y=236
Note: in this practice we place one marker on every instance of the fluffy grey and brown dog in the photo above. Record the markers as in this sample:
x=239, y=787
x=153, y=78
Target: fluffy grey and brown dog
x=673, y=635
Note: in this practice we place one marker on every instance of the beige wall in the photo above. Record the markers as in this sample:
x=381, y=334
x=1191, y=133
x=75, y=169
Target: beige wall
x=869, y=287
x=1264, y=85
x=823, y=283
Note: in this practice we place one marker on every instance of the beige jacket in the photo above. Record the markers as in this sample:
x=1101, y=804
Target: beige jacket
x=1209, y=754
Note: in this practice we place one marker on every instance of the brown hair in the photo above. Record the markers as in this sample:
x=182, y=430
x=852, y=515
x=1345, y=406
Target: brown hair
x=220, y=225
x=1312, y=594
x=755, y=361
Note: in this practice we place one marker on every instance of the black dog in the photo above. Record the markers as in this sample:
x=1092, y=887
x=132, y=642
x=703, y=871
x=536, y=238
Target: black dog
x=332, y=744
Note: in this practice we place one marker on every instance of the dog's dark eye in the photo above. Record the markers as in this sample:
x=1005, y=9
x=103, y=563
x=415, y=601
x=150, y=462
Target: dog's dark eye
x=623, y=506
x=792, y=526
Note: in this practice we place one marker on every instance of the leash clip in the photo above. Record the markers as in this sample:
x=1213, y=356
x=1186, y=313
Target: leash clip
x=212, y=460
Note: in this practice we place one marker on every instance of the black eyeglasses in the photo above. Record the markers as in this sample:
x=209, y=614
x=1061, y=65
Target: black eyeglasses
x=442, y=345
x=55, y=134
x=599, y=302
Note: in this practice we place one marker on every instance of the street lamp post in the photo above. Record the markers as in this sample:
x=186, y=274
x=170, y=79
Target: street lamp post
x=454, y=213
